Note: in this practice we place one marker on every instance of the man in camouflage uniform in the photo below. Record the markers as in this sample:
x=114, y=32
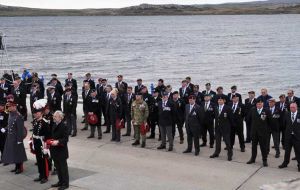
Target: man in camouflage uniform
x=139, y=115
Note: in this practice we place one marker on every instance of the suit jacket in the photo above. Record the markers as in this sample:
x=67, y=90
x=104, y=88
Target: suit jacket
x=283, y=110
x=179, y=109
x=34, y=97
x=54, y=102
x=70, y=105
x=166, y=113
x=114, y=109
x=249, y=105
x=91, y=82
x=237, y=94
x=265, y=100
x=216, y=97
x=19, y=95
x=293, y=100
x=184, y=95
x=138, y=88
x=223, y=120
x=199, y=98
x=123, y=84
x=275, y=119
x=209, y=114
x=74, y=83
x=292, y=128
x=238, y=114
x=153, y=112
x=194, y=118
x=211, y=93
x=128, y=102
x=60, y=133
x=4, y=91
x=260, y=123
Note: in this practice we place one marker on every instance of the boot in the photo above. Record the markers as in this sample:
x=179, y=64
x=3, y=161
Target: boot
x=136, y=143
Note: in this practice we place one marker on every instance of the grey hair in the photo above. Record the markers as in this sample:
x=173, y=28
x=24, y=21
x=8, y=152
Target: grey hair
x=60, y=113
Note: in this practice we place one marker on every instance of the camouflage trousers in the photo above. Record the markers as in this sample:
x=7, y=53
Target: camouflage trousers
x=137, y=133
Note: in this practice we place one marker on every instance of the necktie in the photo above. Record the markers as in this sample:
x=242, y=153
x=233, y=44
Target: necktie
x=258, y=111
x=205, y=108
x=281, y=106
x=191, y=107
x=293, y=117
x=234, y=106
x=220, y=109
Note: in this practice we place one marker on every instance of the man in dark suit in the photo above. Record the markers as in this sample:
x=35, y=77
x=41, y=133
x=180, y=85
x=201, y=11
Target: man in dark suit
x=260, y=130
x=59, y=151
x=154, y=115
x=208, y=123
x=93, y=108
x=291, y=98
x=57, y=84
x=193, y=122
x=139, y=86
x=160, y=87
x=72, y=81
x=69, y=109
x=101, y=92
x=88, y=78
x=292, y=138
x=264, y=97
x=19, y=93
x=121, y=85
x=35, y=95
x=274, y=127
x=223, y=125
x=178, y=117
x=166, y=111
x=189, y=85
x=238, y=110
x=220, y=94
x=198, y=94
x=129, y=98
x=36, y=79
x=5, y=89
x=54, y=99
x=249, y=104
x=233, y=92
x=185, y=92
x=283, y=108
x=208, y=90
x=85, y=96
x=106, y=98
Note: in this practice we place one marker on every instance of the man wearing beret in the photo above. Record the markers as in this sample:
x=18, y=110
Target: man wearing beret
x=233, y=92
x=260, y=130
x=208, y=124
x=69, y=109
x=185, y=92
x=154, y=115
x=193, y=123
x=54, y=99
x=178, y=117
x=249, y=104
x=283, y=108
x=139, y=86
x=223, y=125
x=220, y=94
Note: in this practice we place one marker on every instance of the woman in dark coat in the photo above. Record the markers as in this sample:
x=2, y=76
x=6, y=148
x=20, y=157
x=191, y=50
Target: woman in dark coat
x=14, y=151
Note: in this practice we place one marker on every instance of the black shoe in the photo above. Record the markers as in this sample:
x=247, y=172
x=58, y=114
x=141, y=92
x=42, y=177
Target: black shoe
x=197, y=153
x=277, y=155
x=211, y=146
x=161, y=147
x=298, y=168
x=56, y=185
x=294, y=158
x=242, y=149
x=282, y=166
x=135, y=143
x=248, y=141
x=181, y=141
x=187, y=151
x=251, y=161
x=126, y=135
x=225, y=148
x=5, y=164
x=14, y=170
x=43, y=181
x=37, y=179
x=265, y=163
x=170, y=149
x=159, y=138
x=62, y=188
x=214, y=156
x=53, y=172
x=99, y=137
x=229, y=158
x=73, y=135
x=91, y=136
x=18, y=171
x=106, y=132
x=143, y=145
x=203, y=144
x=273, y=146
x=84, y=129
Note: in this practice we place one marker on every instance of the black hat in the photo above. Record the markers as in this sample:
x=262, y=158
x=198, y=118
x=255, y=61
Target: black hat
x=207, y=95
x=234, y=96
x=103, y=80
x=220, y=88
x=175, y=92
x=251, y=92
x=138, y=94
x=221, y=97
x=233, y=87
x=139, y=80
x=54, y=75
x=208, y=84
x=259, y=100
x=188, y=78
x=37, y=110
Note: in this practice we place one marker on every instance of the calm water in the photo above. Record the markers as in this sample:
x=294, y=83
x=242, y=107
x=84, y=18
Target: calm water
x=248, y=51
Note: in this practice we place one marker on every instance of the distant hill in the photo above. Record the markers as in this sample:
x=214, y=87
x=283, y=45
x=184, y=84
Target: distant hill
x=259, y=7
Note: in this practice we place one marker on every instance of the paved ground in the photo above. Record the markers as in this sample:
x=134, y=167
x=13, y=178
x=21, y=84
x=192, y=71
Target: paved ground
x=101, y=164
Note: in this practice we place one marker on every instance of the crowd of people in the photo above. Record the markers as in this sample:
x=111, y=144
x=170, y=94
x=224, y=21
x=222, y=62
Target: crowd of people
x=160, y=110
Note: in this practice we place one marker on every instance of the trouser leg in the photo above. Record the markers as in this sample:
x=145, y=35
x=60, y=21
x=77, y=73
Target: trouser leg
x=93, y=130
x=287, y=154
x=210, y=129
x=240, y=133
x=99, y=130
x=204, y=133
x=254, y=147
x=189, y=139
x=163, y=132
x=169, y=130
x=276, y=137
x=69, y=124
x=232, y=136
x=263, y=142
x=74, y=124
x=128, y=122
x=297, y=150
x=248, y=127
x=180, y=130
x=196, y=142
x=114, y=131
x=218, y=143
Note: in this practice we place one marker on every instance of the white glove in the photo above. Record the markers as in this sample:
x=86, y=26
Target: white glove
x=3, y=130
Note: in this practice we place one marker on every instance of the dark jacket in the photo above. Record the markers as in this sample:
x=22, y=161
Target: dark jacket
x=292, y=128
x=14, y=152
x=248, y=106
x=114, y=109
x=260, y=123
x=166, y=113
x=179, y=109
x=224, y=120
x=74, y=83
x=4, y=91
x=194, y=118
x=209, y=114
x=275, y=119
x=238, y=114
x=60, y=133
x=70, y=105
x=184, y=95
x=54, y=102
